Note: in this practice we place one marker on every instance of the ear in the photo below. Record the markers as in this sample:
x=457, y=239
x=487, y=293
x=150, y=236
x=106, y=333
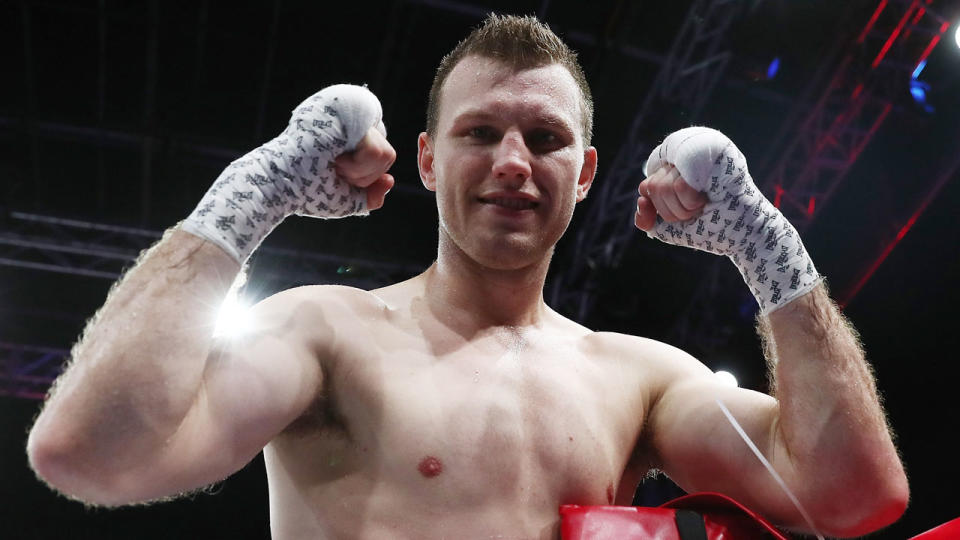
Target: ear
x=425, y=161
x=587, y=172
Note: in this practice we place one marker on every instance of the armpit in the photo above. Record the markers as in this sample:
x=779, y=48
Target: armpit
x=319, y=418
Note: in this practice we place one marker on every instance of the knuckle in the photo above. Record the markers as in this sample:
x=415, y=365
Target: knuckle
x=384, y=153
x=655, y=188
x=687, y=202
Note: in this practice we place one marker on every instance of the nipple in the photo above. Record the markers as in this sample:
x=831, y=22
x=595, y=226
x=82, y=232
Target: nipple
x=430, y=467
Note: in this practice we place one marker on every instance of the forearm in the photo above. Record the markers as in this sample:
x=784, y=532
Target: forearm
x=826, y=431
x=138, y=366
x=831, y=422
x=144, y=396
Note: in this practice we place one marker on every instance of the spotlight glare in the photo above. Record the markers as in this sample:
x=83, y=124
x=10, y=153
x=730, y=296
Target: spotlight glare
x=234, y=318
x=956, y=36
x=727, y=378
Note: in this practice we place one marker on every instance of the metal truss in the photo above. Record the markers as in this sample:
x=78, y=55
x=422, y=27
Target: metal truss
x=695, y=63
x=818, y=144
x=190, y=145
x=813, y=155
x=99, y=250
x=96, y=250
x=27, y=371
x=948, y=171
x=69, y=246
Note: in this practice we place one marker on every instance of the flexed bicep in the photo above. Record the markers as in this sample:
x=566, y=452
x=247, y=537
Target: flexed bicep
x=254, y=385
x=698, y=447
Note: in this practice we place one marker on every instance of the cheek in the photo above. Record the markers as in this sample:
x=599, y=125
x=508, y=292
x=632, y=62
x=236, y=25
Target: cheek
x=453, y=162
x=449, y=192
x=567, y=173
x=458, y=178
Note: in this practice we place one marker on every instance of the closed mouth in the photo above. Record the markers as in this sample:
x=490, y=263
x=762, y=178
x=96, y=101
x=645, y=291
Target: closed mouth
x=512, y=203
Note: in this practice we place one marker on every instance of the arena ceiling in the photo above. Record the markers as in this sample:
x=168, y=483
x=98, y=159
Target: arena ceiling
x=120, y=114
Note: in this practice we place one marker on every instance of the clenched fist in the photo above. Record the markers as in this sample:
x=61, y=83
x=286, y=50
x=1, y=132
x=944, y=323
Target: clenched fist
x=366, y=167
x=666, y=193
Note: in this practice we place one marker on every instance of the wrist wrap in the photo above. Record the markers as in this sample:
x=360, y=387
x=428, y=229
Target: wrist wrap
x=291, y=174
x=738, y=221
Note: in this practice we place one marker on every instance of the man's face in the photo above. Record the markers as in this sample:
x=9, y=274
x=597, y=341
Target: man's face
x=507, y=161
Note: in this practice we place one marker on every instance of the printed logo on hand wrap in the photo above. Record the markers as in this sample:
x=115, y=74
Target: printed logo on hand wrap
x=737, y=221
x=260, y=189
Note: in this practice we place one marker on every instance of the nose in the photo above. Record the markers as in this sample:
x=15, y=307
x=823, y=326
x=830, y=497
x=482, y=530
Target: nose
x=511, y=161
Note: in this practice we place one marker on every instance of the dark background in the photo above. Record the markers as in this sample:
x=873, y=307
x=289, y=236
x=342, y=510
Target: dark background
x=123, y=113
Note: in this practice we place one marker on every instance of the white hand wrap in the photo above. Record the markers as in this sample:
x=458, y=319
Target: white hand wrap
x=291, y=174
x=738, y=221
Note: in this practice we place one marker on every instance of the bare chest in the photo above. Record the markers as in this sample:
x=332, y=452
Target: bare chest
x=532, y=421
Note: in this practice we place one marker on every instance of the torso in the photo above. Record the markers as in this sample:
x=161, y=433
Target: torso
x=420, y=432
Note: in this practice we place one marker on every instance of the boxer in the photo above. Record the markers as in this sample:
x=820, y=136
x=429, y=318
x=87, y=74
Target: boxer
x=457, y=404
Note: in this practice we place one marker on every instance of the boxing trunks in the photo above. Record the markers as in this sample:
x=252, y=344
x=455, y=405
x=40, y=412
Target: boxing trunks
x=699, y=516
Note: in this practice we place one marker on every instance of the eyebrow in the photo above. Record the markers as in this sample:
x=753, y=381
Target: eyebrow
x=472, y=115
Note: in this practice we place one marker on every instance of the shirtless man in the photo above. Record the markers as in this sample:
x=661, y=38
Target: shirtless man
x=457, y=404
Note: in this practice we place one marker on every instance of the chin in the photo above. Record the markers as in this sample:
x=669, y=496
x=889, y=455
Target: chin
x=499, y=250
x=513, y=256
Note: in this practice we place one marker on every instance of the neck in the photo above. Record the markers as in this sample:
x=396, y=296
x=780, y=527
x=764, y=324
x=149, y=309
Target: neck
x=466, y=293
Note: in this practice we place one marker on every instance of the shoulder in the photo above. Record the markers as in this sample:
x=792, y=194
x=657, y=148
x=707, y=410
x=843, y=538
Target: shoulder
x=640, y=349
x=319, y=299
x=662, y=366
x=627, y=347
x=311, y=314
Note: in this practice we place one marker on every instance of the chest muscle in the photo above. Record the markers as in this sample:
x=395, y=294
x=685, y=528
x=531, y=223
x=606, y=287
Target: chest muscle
x=538, y=422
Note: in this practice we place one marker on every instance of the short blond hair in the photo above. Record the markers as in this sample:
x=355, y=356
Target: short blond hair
x=519, y=43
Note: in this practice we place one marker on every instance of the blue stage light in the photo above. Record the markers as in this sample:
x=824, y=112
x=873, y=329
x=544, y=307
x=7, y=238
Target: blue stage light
x=773, y=68
x=919, y=89
x=920, y=66
x=918, y=93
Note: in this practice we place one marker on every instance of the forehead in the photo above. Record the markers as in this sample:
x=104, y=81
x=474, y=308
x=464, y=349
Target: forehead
x=484, y=84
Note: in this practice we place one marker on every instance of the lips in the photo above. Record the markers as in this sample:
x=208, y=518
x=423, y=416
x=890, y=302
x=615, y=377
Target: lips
x=510, y=203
